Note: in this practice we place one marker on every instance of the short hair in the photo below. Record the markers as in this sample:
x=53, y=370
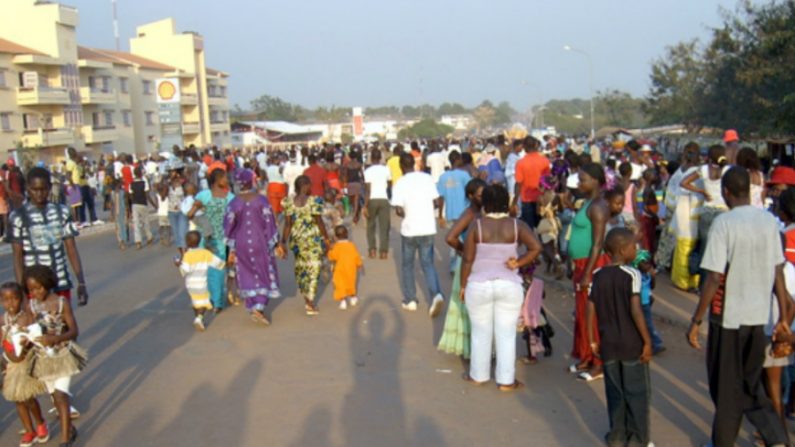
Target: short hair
x=748, y=159
x=717, y=155
x=312, y=159
x=531, y=143
x=40, y=173
x=473, y=185
x=454, y=157
x=14, y=287
x=466, y=158
x=737, y=181
x=341, y=232
x=193, y=238
x=595, y=171
x=406, y=160
x=301, y=181
x=215, y=175
x=786, y=204
x=614, y=192
x=496, y=199
x=625, y=169
x=42, y=275
x=375, y=155
x=632, y=145
x=618, y=238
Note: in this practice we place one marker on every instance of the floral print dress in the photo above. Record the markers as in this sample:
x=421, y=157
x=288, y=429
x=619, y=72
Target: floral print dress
x=306, y=243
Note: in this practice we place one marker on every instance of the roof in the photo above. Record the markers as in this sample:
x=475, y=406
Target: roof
x=6, y=46
x=214, y=72
x=121, y=57
x=279, y=126
x=98, y=55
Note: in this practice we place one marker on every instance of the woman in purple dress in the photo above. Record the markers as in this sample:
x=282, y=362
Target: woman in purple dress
x=253, y=240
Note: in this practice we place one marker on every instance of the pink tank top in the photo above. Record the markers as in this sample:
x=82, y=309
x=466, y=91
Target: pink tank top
x=490, y=259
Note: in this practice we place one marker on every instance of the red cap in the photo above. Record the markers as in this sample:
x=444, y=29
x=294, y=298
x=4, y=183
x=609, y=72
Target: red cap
x=782, y=175
x=730, y=136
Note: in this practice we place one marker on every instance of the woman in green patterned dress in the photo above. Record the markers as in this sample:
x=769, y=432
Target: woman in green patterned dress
x=455, y=336
x=306, y=236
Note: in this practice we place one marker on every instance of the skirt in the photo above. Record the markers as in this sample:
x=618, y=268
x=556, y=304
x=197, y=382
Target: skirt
x=582, y=347
x=455, y=336
x=18, y=385
x=276, y=193
x=65, y=362
x=354, y=189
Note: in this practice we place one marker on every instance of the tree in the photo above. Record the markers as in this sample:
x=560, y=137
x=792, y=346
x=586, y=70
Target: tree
x=277, y=109
x=427, y=128
x=503, y=113
x=484, y=115
x=677, y=81
x=452, y=109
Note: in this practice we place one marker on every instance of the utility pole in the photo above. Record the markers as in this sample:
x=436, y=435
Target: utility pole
x=116, y=25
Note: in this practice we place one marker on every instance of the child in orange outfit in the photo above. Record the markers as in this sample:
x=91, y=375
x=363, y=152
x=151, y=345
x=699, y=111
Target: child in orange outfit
x=347, y=262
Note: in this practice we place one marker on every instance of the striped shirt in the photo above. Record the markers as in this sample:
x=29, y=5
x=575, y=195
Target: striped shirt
x=194, y=266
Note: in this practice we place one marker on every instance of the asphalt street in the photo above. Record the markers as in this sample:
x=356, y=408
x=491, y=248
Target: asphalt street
x=369, y=376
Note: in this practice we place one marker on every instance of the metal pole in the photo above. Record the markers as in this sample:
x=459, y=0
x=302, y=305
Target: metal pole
x=116, y=26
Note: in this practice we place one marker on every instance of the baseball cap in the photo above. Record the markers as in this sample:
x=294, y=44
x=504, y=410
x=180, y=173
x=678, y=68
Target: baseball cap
x=782, y=175
x=730, y=136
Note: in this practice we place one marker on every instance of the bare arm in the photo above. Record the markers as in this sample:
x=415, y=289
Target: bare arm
x=321, y=226
x=468, y=257
x=711, y=285
x=529, y=239
x=19, y=261
x=688, y=184
x=784, y=302
x=640, y=323
x=590, y=317
x=453, y=239
x=599, y=216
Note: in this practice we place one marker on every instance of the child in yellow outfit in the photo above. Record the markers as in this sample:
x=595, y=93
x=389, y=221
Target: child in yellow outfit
x=195, y=263
x=347, y=262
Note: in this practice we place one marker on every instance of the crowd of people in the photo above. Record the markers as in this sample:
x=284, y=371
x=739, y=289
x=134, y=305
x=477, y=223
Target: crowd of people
x=610, y=216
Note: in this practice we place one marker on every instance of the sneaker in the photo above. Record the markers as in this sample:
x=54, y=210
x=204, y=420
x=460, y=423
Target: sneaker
x=411, y=306
x=198, y=323
x=354, y=301
x=343, y=305
x=436, y=306
x=73, y=413
x=97, y=222
x=42, y=434
x=27, y=440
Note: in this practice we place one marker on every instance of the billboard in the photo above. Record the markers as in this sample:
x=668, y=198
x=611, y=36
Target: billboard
x=167, y=91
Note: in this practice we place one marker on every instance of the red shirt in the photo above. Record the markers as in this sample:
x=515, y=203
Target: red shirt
x=126, y=177
x=529, y=171
x=317, y=176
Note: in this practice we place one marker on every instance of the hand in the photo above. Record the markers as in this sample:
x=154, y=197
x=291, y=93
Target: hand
x=512, y=264
x=706, y=195
x=279, y=251
x=232, y=259
x=645, y=354
x=514, y=211
x=442, y=222
x=82, y=295
x=463, y=294
x=47, y=340
x=365, y=213
x=692, y=336
x=781, y=331
x=585, y=282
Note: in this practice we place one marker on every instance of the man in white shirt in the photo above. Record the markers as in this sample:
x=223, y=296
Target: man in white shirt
x=437, y=162
x=415, y=196
x=376, y=205
x=744, y=261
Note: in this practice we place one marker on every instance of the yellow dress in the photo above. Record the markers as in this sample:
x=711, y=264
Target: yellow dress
x=347, y=261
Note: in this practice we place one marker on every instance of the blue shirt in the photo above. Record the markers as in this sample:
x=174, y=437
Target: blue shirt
x=452, y=188
x=645, y=289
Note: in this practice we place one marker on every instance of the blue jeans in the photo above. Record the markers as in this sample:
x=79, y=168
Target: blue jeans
x=656, y=341
x=628, y=393
x=409, y=247
x=179, y=227
x=530, y=214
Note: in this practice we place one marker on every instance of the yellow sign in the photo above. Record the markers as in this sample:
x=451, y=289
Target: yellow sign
x=167, y=90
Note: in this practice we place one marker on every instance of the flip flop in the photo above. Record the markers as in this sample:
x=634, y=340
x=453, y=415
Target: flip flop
x=575, y=368
x=587, y=377
x=515, y=386
x=465, y=377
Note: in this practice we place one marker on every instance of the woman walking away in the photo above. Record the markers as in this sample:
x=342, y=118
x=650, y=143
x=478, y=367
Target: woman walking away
x=213, y=202
x=585, y=251
x=493, y=288
x=354, y=176
x=307, y=238
x=748, y=159
x=253, y=240
x=455, y=336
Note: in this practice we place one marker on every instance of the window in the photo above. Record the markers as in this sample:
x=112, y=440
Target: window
x=210, y=90
x=126, y=118
x=5, y=121
x=147, y=87
x=3, y=78
x=106, y=84
x=150, y=118
x=223, y=91
x=108, y=118
x=123, y=85
x=92, y=83
x=226, y=116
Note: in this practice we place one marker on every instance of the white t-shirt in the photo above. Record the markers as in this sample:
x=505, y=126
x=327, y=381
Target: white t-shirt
x=291, y=172
x=162, y=206
x=637, y=171
x=415, y=192
x=437, y=162
x=378, y=177
x=746, y=239
x=151, y=168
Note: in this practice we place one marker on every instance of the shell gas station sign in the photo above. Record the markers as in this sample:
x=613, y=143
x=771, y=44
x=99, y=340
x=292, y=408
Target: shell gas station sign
x=167, y=90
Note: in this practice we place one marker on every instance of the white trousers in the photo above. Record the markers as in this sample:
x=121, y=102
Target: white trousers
x=494, y=308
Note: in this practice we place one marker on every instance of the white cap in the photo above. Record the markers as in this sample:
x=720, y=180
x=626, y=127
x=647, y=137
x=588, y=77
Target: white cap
x=646, y=148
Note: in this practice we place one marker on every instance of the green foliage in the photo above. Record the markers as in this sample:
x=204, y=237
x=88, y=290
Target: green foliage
x=427, y=128
x=276, y=109
x=611, y=108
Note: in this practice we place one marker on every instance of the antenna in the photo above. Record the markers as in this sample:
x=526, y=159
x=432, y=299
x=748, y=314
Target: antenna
x=116, y=25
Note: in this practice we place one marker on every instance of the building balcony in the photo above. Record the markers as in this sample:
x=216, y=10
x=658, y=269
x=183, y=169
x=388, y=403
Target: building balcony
x=47, y=137
x=90, y=95
x=219, y=126
x=189, y=99
x=67, y=15
x=99, y=134
x=217, y=100
x=35, y=96
x=190, y=127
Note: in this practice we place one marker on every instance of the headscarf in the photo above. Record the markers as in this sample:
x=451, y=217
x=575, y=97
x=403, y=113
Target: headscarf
x=245, y=178
x=642, y=256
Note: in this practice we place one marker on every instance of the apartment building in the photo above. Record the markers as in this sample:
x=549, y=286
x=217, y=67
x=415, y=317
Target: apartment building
x=55, y=93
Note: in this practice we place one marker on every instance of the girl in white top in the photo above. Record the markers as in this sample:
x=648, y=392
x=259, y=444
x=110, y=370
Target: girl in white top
x=710, y=175
x=748, y=159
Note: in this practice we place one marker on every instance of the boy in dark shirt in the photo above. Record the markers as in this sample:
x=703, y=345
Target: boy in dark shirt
x=625, y=349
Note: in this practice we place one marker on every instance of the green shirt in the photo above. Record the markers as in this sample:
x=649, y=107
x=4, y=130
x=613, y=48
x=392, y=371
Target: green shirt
x=581, y=239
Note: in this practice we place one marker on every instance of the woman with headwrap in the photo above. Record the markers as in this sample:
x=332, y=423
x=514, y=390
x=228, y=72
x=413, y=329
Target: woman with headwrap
x=253, y=241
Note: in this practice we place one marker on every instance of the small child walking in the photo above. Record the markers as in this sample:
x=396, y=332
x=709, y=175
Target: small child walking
x=625, y=344
x=536, y=330
x=199, y=222
x=18, y=386
x=194, y=265
x=347, y=262
x=163, y=224
x=647, y=281
x=57, y=356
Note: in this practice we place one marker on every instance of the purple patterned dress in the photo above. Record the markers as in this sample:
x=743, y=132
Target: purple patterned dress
x=250, y=229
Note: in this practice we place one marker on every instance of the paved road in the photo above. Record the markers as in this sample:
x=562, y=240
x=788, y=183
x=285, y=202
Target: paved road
x=365, y=377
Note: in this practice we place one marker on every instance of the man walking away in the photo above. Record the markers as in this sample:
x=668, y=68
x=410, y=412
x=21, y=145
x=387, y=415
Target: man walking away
x=376, y=205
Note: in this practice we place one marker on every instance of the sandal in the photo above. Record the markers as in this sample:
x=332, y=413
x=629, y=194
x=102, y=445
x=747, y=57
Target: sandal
x=465, y=377
x=577, y=368
x=529, y=360
x=515, y=386
x=310, y=308
x=587, y=377
x=259, y=317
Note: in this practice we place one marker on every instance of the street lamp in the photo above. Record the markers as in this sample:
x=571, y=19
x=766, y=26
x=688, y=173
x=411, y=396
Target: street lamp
x=540, y=107
x=590, y=79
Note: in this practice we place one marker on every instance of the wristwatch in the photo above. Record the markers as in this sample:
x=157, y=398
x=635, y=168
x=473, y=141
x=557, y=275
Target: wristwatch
x=696, y=322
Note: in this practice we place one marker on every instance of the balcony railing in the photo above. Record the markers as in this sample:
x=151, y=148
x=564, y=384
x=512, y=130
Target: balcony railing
x=190, y=127
x=189, y=99
x=47, y=137
x=99, y=134
x=90, y=95
x=32, y=96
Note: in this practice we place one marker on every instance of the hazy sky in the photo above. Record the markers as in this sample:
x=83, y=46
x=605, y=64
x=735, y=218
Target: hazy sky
x=378, y=52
